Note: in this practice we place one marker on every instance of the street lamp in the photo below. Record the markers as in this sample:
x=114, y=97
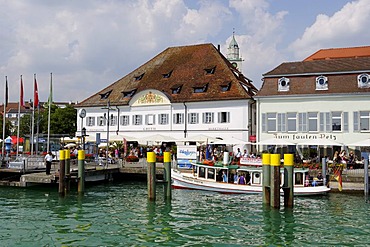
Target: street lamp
x=107, y=117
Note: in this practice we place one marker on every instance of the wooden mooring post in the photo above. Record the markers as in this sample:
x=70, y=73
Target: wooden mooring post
x=81, y=171
x=151, y=175
x=275, y=180
x=266, y=178
x=61, y=173
x=167, y=175
x=67, y=170
x=288, y=186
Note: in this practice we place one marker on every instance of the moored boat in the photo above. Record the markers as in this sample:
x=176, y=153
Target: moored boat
x=235, y=179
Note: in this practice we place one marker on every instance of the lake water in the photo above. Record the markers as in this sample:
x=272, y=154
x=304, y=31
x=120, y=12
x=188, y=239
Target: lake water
x=119, y=214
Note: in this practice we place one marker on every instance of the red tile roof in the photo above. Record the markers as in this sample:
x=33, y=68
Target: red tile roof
x=188, y=65
x=334, y=53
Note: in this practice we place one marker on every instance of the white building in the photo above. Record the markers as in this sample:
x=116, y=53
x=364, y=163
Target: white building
x=324, y=98
x=182, y=92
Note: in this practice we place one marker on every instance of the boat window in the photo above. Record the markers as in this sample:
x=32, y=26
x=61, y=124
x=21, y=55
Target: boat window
x=298, y=178
x=256, y=177
x=211, y=173
x=202, y=172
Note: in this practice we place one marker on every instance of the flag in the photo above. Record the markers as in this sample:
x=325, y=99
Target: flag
x=338, y=177
x=21, y=100
x=36, y=95
x=6, y=92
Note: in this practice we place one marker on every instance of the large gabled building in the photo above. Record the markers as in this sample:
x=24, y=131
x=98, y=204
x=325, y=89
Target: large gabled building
x=325, y=97
x=182, y=92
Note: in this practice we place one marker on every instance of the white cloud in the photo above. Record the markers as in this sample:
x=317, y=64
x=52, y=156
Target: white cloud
x=347, y=27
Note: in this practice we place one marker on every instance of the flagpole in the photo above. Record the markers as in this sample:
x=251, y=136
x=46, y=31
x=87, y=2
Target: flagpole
x=49, y=104
x=4, y=119
x=33, y=115
x=19, y=112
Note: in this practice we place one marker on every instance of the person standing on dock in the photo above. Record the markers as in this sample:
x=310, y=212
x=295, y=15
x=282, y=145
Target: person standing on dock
x=48, y=159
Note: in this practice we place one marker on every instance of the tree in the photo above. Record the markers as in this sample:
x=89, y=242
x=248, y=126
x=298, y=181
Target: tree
x=8, y=127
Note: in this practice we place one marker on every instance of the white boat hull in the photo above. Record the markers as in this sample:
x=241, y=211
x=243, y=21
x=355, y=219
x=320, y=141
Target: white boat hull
x=185, y=181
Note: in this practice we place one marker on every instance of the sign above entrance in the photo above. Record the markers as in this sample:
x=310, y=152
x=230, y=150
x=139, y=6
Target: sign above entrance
x=150, y=97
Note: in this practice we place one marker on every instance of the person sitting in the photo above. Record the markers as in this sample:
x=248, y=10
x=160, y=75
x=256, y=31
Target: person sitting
x=241, y=179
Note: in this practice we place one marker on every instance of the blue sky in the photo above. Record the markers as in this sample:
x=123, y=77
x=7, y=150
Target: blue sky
x=89, y=44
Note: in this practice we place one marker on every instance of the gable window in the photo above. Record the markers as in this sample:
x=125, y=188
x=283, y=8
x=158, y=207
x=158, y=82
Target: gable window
x=283, y=84
x=90, y=121
x=210, y=71
x=129, y=94
x=178, y=118
x=105, y=95
x=208, y=117
x=176, y=89
x=363, y=80
x=137, y=120
x=101, y=121
x=201, y=89
x=226, y=87
x=224, y=117
x=321, y=83
x=150, y=119
x=271, y=122
x=167, y=75
x=139, y=77
x=125, y=120
x=163, y=119
x=313, y=122
x=193, y=118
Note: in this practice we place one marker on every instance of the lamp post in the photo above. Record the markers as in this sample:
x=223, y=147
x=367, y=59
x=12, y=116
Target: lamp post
x=107, y=117
x=83, y=134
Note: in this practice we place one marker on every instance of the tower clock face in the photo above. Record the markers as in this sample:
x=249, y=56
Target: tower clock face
x=82, y=113
x=235, y=65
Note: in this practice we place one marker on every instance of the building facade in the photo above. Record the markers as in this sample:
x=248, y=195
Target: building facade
x=324, y=98
x=182, y=92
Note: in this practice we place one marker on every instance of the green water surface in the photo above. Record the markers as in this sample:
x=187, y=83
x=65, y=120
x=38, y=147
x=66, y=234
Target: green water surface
x=119, y=214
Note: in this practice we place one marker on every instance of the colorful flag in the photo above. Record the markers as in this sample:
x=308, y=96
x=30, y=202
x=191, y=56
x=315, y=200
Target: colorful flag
x=21, y=100
x=36, y=95
x=338, y=177
x=6, y=91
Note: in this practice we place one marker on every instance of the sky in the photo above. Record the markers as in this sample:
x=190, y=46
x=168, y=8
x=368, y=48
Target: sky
x=89, y=44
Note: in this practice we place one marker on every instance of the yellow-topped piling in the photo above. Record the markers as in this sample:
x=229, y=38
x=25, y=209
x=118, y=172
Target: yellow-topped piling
x=81, y=154
x=81, y=171
x=288, y=159
x=288, y=186
x=166, y=157
x=266, y=159
x=275, y=159
x=151, y=157
x=266, y=177
x=62, y=155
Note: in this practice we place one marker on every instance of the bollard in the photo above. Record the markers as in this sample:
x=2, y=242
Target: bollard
x=67, y=156
x=167, y=174
x=266, y=178
x=288, y=186
x=275, y=180
x=151, y=159
x=323, y=162
x=81, y=171
x=61, y=173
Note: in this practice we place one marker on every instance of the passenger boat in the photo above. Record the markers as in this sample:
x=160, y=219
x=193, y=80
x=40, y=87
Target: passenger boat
x=209, y=178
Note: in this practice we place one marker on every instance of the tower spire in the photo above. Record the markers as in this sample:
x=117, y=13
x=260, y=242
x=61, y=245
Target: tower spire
x=233, y=53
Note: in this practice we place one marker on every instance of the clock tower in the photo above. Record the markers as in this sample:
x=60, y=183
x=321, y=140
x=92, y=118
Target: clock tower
x=233, y=54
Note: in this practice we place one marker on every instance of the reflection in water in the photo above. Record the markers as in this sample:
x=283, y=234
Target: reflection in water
x=121, y=215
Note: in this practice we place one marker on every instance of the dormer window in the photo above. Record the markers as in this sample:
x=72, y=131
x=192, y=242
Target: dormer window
x=176, y=89
x=139, y=77
x=226, y=87
x=168, y=75
x=129, y=94
x=283, y=84
x=210, y=71
x=321, y=83
x=201, y=89
x=363, y=80
x=105, y=95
